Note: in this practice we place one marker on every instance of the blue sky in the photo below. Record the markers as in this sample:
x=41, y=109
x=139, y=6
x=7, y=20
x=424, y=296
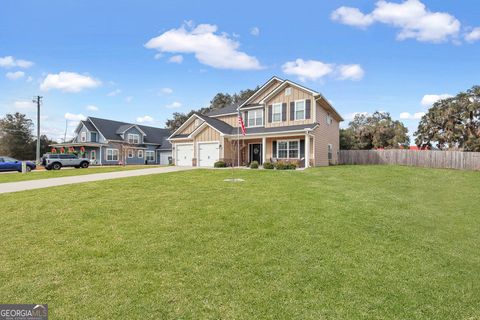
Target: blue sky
x=140, y=61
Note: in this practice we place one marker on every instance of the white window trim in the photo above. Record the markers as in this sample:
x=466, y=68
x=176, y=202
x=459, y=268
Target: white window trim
x=254, y=112
x=131, y=136
x=147, y=152
x=140, y=154
x=288, y=148
x=330, y=151
x=273, y=112
x=304, y=109
x=329, y=118
x=113, y=151
x=130, y=153
x=83, y=136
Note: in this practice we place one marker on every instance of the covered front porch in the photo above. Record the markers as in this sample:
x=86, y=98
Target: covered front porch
x=242, y=150
x=91, y=150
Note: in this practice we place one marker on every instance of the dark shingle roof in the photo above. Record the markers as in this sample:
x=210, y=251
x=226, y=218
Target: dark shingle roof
x=110, y=129
x=225, y=110
x=220, y=125
x=89, y=125
x=257, y=130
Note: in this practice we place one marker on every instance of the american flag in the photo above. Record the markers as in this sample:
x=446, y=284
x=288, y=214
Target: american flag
x=242, y=125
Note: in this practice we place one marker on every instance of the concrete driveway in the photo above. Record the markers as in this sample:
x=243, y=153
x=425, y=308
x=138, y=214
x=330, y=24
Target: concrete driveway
x=53, y=182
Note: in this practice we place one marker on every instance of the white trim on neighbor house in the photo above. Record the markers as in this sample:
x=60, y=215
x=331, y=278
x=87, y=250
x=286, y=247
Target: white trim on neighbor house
x=130, y=153
x=151, y=152
x=278, y=104
x=288, y=148
x=304, y=109
x=113, y=152
x=133, y=125
x=140, y=154
x=206, y=142
x=274, y=78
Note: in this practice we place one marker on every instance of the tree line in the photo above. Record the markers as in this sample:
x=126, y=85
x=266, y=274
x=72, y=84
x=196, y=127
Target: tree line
x=17, y=139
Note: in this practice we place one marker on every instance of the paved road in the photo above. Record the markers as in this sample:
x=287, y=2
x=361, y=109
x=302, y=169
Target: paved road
x=53, y=182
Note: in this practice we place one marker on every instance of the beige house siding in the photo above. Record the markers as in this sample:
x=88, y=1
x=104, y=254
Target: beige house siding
x=189, y=129
x=207, y=134
x=280, y=97
x=326, y=134
x=231, y=120
x=266, y=91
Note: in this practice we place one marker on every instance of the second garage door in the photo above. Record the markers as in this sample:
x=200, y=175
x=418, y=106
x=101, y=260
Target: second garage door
x=208, y=154
x=184, y=155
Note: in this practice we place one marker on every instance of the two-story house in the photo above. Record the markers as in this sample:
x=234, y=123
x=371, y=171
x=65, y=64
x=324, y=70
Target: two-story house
x=284, y=121
x=109, y=142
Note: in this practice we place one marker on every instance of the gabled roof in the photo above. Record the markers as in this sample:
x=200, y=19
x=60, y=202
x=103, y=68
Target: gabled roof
x=266, y=84
x=110, y=130
x=283, y=85
x=220, y=125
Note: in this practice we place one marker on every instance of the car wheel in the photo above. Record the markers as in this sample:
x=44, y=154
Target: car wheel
x=28, y=169
x=56, y=166
x=84, y=164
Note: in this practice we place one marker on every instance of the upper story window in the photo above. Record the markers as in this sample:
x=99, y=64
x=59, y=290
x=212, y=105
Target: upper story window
x=93, y=136
x=255, y=118
x=83, y=136
x=300, y=110
x=329, y=118
x=276, y=112
x=133, y=138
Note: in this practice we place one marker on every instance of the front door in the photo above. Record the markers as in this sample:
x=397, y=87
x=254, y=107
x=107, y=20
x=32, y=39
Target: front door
x=255, y=151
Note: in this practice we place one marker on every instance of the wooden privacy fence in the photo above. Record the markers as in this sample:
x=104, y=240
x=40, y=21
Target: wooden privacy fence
x=423, y=158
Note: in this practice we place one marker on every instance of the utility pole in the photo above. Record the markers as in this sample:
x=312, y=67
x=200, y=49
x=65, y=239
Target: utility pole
x=38, y=100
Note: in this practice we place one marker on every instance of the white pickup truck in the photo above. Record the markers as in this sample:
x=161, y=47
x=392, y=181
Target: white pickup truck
x=57, y=161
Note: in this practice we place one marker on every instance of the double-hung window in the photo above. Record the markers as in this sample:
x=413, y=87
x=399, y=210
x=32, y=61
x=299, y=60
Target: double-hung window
x=133, y=138
x=255, y=118
x=83, y=136
x=130, y=153
x=276, y=112
x=112, y=154
x=140, y=154
x=288, y=149
x=329, y=119
x=150, y=155
x=300, y=110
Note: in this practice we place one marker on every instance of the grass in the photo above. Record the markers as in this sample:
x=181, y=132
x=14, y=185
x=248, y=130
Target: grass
x=347, y=242
x=44, y=174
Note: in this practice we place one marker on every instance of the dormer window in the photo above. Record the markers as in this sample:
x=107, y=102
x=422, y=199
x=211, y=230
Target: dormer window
x=288, y=91
x=133, y=138
x=83, y=136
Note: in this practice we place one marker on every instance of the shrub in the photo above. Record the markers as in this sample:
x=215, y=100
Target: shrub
x=282, y=165
x=254, y=165
x=268, y=165
x=220, y=164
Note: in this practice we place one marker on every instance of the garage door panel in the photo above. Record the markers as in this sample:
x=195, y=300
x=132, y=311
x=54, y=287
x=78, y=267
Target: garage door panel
x=184, y=155
x=208, y=154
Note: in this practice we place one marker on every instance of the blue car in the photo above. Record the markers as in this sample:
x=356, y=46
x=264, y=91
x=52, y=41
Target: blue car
x=10, y=164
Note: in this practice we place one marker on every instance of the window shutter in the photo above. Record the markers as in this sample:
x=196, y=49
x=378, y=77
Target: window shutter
x=307, y=109
x=270, y=113
x=245, y=119
x=292, y=111
x=284, y=111
x=274, y=148
x=302, y=149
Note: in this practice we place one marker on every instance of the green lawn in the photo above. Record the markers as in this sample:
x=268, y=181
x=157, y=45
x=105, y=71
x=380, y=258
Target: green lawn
x=43, y=174
x=346, y=242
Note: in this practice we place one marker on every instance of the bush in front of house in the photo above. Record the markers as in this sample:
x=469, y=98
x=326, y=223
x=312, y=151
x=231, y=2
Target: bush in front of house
x=220, y=164
x=268, y=165
x=254, y=165
x=282, y=165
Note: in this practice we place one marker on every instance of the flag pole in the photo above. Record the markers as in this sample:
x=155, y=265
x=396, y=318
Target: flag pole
x=238, y=139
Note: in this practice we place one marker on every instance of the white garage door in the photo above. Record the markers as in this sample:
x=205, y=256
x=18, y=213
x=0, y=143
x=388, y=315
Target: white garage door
x=208, y=154
x=184, y=155
x=163, y=157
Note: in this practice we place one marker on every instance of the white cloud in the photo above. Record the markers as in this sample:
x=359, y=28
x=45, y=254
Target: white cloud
x=209, y=47
x=69, y=82
x=307, y=69
x=25, y=105
x=145, y=119
x=173, y=105
x=29, y=79
x=473, y=35
x=176, y=59
x=255, y=31
x=409, y=116
x=429, y=99
x=311, y=70
x=412, y=17
x=11, y=62
x=91, y=107
x=74, y=117
x=166, y=91
x=15, y=75
x=129, y=99
x=351, y=72
x=114, y=93
x=158, y=56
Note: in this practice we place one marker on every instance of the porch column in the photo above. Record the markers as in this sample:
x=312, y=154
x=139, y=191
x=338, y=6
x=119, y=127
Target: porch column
x=307, y=150
x=264, y=149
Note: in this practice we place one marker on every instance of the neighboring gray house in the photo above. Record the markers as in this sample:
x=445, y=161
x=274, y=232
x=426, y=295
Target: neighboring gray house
x=109, y=142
